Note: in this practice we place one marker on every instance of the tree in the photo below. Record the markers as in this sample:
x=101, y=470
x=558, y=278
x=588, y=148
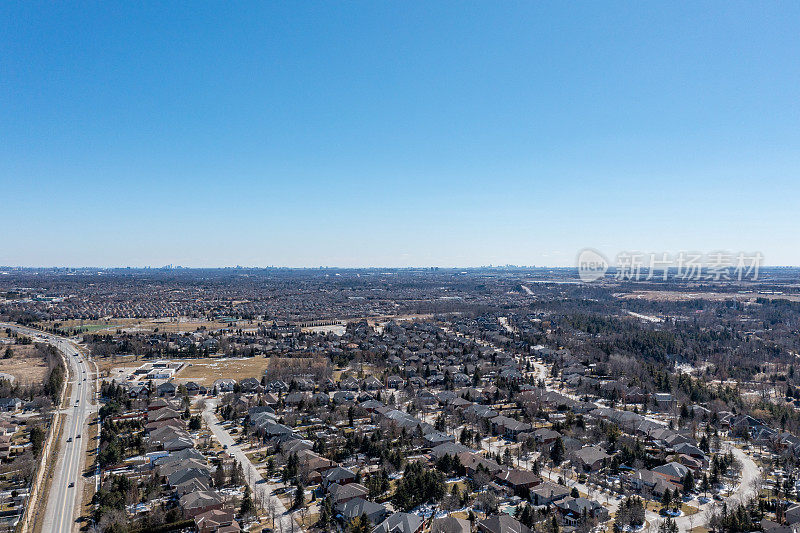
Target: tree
x=557, y=452
x=360, y=525
x=299, y=495
x=9, y=353
x=486, y=502
x=237, y=474
x=418, y=485
x=219, y=476
x=688, y=482
x=37, y=435
x=574, y=493
x=666, y=499
x=325, y=513
x=637, y=512
x=668, y=526
x=704, y=484
x=194, y=423
x=247, y=508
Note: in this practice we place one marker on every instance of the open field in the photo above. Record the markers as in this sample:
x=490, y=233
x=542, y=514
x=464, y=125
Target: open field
x=27, y=366
x=206, y=371
x=676, y=296
x=133, y=325
x=110, y=366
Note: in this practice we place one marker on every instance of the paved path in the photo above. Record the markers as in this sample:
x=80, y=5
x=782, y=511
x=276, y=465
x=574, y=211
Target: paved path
x=261, y=489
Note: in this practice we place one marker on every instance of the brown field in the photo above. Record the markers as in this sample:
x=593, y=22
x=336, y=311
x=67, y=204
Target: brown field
x=133, y=325
x=26, y=365
x=673, y=296
x=106, y=366
x=206, y=371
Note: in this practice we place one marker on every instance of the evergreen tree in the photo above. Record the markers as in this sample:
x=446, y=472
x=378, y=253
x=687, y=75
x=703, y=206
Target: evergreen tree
x=299, y=495
x=668, y=526
x=666, y=499
x=688, y=482
x=247, y=508
x=557, y=452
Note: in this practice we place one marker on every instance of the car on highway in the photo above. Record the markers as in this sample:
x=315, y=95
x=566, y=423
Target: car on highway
x=69, y=439
x=71, y=484
x=79, y=436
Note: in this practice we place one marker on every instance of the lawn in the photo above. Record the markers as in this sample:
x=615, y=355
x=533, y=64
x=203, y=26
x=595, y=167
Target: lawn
x=687, y=510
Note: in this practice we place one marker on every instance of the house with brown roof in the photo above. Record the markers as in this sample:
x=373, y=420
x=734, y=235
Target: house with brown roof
x=517, y=479
x=196, y=503
x=547, y=493
x=217, y=521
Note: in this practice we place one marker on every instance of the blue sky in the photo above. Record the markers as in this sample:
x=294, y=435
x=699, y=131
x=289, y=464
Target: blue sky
x=396, y=133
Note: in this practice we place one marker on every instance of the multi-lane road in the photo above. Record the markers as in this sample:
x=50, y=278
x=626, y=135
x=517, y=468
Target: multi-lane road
x=66, y=487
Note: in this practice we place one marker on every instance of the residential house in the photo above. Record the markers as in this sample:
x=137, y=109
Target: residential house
x=352, y=509
x=589, y=458
x=572, y=510
x=547, y=493
x=166, y=389
x=502, y=523
x=450, y=524
x=10, y=405
x=341, y=494
x=196, y=503
x=400, y=523
x=673, y=472
x=518, y=480
x=338, y=475
x=216, y=521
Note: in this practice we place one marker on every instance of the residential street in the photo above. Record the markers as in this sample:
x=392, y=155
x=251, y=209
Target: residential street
x=260, y=487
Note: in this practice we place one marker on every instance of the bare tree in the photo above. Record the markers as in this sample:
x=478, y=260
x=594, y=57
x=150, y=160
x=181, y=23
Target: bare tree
x=271, y=511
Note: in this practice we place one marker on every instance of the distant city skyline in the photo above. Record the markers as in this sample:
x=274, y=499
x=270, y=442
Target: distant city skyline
x=396, y=134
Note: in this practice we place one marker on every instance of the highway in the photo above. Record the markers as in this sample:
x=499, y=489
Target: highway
x=66, y=488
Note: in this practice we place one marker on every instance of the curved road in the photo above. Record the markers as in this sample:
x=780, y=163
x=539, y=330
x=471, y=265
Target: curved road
x=743, y=492
x=63, y=500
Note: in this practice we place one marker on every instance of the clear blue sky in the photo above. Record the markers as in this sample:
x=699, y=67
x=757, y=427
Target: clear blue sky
x=396, y=133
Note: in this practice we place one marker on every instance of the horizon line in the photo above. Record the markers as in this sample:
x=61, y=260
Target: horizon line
x=319, y=267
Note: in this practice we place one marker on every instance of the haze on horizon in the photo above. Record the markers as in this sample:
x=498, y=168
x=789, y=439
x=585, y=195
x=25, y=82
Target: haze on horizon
x=396, y=134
